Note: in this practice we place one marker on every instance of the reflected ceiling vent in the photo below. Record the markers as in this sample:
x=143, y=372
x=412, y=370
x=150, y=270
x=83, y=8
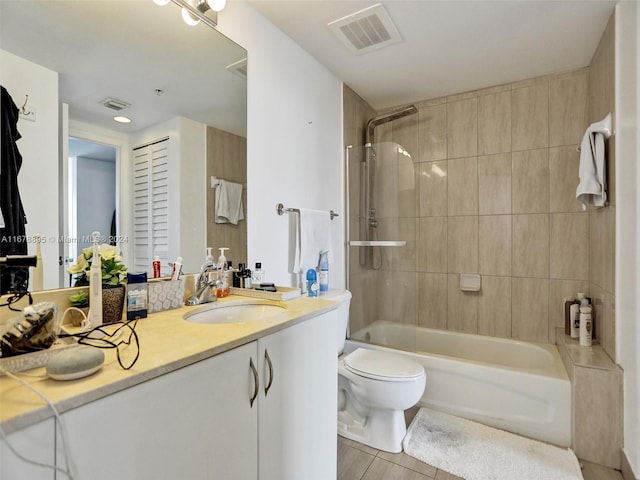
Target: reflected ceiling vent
x=366, y=30
x=239, y=68
x=115, y=104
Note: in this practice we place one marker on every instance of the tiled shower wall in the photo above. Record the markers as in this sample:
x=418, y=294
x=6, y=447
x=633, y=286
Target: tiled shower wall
x=495, y=175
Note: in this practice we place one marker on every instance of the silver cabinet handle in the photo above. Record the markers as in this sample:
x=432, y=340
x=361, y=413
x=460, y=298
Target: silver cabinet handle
x=256, y=382
x=268, y=386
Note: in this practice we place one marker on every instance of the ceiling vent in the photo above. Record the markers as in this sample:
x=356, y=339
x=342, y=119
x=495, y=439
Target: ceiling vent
x=366, y=30
x=115, y=104
x=239, y=68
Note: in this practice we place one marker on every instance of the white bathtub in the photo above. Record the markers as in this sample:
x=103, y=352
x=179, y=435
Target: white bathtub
x=516, y=386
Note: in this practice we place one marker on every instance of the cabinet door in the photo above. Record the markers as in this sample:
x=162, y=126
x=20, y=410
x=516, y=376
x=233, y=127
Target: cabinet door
x=192, y=423
x=297, y=428
x=37, y=443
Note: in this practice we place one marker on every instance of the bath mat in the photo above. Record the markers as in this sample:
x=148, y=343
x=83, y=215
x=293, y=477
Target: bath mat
x=477, y=452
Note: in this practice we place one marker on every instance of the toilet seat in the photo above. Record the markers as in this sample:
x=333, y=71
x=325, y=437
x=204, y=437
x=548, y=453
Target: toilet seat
x=379, y=365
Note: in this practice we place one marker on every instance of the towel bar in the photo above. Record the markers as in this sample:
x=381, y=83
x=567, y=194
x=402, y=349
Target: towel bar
x=281, y=209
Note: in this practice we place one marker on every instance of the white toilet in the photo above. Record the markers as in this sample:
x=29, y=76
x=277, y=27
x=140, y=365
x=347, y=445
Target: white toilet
x=374, y=389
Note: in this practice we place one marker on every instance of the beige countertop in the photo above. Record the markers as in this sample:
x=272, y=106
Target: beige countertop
x=167, y=343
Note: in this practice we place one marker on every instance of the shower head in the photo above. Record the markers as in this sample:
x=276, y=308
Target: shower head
x=388, y=117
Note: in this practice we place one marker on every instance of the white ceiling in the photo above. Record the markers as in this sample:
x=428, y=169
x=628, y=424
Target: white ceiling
x=448, y=46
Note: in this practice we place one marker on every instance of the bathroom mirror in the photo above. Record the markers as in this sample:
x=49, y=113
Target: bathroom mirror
x=136, y=53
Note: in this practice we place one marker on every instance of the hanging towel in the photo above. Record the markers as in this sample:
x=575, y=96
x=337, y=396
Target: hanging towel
x=313, y=236
x=592, y=170
x=228, y=202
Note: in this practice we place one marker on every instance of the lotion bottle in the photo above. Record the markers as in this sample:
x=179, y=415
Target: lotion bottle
x=95, y=285
x=574, y=311
x=585, y=323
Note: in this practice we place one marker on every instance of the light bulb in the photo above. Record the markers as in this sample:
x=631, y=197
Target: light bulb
x=189, y=19
x=161, y=3
x=122, y=119
x=217, y=5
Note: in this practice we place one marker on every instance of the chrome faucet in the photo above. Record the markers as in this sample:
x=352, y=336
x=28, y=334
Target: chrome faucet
x=205, y=286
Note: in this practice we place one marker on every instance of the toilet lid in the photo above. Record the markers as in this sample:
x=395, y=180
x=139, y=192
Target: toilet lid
x=382, y=365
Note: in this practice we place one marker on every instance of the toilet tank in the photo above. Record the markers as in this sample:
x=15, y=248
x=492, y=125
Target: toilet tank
x=344, y=299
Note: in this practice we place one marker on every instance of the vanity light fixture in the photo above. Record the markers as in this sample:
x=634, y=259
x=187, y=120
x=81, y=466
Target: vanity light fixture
x=193, y=11
x=121, y=119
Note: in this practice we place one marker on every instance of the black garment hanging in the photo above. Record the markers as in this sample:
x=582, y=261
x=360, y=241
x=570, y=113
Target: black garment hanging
x=12, y=236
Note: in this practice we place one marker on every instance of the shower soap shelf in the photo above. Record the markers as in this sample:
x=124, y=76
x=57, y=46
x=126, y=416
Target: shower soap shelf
x=377, y=243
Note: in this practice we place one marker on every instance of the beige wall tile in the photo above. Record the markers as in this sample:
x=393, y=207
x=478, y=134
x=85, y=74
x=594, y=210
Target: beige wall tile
x=462, y=313
x=569, y=246
x=606, y=324
x=495, y=245
x=462, y=244
x=530, y=309
x=432, y=300
x=494, y=307
x=531, y=82
x=563, y=179
x=609, y=267
x=568, y=107
x=462, y=128
x=494, y=184
x=432, y=244
x=494, y=123
x=432, y=132
x=404, y=258
x=530, y=257
x=597, y=246
x=530, y=181
x=403, y=294
x=597, y=430
x=432, y=186
x=462, y=187
x=530, y=118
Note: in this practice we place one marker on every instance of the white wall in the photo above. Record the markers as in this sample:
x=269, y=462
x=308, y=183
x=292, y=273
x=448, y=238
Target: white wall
x=294, y=140
x=38, y=177
x=628, y=220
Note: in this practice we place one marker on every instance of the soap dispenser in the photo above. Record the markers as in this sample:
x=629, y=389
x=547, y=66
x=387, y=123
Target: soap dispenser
x=222, y=289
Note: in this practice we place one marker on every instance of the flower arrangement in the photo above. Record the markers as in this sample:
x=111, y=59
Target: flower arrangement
x=113, y=269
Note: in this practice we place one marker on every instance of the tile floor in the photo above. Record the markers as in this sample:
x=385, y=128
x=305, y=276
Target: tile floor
x=360, y=462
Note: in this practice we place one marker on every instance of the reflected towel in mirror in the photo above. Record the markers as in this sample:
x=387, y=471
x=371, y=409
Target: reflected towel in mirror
x=228, y=208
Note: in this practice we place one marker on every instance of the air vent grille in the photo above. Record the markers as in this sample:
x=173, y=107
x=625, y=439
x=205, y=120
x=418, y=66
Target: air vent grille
x=366, y=30
x=115, y=104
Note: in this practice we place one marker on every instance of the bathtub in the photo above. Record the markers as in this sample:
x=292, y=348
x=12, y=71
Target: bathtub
x=516, y=386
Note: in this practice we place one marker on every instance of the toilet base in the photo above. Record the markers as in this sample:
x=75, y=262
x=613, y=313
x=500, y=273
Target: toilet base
x=380, y=429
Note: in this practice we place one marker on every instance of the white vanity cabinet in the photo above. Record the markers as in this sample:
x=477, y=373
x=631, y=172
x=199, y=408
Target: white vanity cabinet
x=194, y=423
x=198, y=422
x=297, y=424
x=35, y=442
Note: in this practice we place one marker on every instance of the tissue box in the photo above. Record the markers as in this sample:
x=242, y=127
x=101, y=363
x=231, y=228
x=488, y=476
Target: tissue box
x=165, y=295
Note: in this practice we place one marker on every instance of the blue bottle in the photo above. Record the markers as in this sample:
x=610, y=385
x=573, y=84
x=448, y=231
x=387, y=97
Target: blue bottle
x=312, y=283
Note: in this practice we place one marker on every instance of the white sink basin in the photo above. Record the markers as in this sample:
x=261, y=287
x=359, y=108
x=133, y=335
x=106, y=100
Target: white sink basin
x=234, y=312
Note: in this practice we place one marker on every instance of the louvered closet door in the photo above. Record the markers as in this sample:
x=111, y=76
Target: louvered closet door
x=150, y=206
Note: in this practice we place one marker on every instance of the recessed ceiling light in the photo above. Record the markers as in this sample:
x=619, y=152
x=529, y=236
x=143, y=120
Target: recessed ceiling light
x=122, y=119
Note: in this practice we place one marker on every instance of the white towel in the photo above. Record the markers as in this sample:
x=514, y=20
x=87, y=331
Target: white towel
x=313, y=236
x=228, y=202
x=592, y=170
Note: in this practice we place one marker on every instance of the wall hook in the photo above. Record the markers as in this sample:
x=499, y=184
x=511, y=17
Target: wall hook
x=26, y=111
